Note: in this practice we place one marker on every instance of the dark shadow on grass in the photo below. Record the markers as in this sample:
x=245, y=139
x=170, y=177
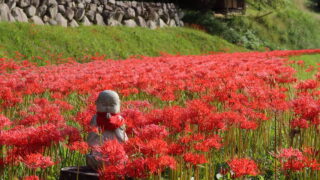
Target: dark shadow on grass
x=313, y=5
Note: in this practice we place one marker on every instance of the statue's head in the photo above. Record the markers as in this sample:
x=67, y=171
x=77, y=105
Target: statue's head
x=108, y=101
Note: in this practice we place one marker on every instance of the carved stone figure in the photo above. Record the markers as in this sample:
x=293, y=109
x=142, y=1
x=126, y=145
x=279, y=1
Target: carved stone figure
x=108, y=106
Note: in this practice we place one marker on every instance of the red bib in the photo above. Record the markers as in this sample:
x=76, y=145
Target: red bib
x=104, y=123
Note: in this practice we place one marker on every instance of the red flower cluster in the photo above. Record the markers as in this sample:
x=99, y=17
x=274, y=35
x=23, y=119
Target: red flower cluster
x=295, y=160
x=4, y=121
x=80, y=146
x=242, y=167
x=37, y=160
x=194, y=159
x=31, y=178
x=186, y=107
x=43, y=111
x=112, y=152
x=10, y=65
x=307, y=110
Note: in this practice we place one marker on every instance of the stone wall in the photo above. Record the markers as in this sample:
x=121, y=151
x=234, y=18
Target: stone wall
x=88, y=12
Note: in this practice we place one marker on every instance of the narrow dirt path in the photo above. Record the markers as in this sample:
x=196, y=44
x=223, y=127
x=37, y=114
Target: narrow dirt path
x=301, y=4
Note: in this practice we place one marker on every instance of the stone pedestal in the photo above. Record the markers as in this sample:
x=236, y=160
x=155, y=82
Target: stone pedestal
x=83, y=173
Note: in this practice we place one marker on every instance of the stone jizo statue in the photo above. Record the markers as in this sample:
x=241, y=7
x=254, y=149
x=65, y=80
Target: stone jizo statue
x=108, y=105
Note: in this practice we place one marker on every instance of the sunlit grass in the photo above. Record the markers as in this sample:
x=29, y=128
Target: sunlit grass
x=311, y=62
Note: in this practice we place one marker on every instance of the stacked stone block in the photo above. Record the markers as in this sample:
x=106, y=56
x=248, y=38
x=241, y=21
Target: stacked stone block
x=91, y=12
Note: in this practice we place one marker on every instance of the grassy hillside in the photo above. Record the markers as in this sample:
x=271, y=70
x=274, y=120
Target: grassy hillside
x=289, y=26
x=284, y=24
x=115, y=42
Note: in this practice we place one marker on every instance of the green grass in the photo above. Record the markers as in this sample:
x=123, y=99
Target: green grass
x=309, y=60
x=115, y=42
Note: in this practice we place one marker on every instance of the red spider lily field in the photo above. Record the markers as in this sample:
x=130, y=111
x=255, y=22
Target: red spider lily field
x=220, y=116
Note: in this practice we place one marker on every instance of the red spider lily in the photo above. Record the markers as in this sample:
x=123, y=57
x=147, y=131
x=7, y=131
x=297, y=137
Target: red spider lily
x=134, y=118
x=299, y=123
x=137, y=168
x=34, y=161
x=84, y=118
x=167, y=161
x=23, y=141
x=191, y=138
x=308, y=84
x=307, y=107
x=209, y=143
x=117, y=120
x=311, y=151
x=41, y=136
x=9, y=65
x=295, y=160
x=173, y=117
x=155, y=147
x=294, y=165
x=249, y=125
x=242, y=167
x=198, y=110
x=310, y=68
x=194, y=159
x=57, y=95
x=9, y=98
x=290, y=153
x=112, y=153
x=114, y=157
x=292, y=159
x=152, y=165
x=152, y=131
x=133, y=145
x=300, y=63
x=299, y=165
x=42, y=112
x=112, y=172
x=64, y=106
x=80, y=146
x=130, y=91
x=72, y=133
x=136, y=104
x=176, y=149
x=313, y=164
x=213, y=121
x=155, y=165
x=4, y=121
x=31, y=178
